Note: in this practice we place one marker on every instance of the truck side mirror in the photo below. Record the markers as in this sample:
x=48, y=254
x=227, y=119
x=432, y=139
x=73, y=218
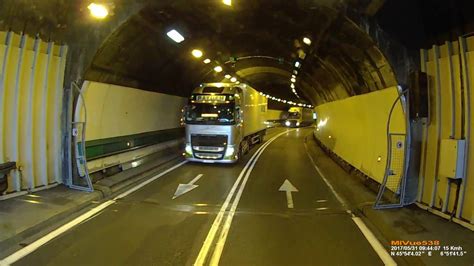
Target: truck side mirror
x=238, y=115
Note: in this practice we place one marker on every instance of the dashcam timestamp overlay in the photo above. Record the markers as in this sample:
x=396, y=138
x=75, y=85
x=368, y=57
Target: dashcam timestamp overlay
x=408, y=248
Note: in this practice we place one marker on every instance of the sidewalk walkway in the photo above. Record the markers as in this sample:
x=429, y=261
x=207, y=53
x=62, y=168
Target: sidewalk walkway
x=409, y=223
x=26, y=218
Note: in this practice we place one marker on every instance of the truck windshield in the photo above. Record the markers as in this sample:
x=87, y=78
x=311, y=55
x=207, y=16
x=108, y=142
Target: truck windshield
x=293, y=115
x=207, y=113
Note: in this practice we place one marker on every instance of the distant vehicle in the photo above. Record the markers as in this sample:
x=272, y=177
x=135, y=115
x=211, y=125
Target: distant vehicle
x=299, y=117
x=222, y=121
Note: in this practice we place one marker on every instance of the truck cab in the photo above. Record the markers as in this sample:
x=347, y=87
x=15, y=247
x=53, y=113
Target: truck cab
x=216, y=128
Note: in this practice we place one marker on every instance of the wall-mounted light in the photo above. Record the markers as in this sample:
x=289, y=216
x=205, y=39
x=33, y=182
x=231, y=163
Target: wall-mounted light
x=218, y=69
x=175, y=36
x=98, y=10
x=196, y=53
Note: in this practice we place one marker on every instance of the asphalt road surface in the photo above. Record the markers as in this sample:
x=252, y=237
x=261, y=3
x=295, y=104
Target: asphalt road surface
x=272, y=208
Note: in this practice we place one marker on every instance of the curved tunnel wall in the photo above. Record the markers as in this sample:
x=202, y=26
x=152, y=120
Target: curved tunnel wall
x=121, y=119
x=31, y=90
x=355, y=129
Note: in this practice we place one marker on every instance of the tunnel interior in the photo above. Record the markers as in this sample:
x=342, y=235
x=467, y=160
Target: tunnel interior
x=105, y=106
x=258, y=42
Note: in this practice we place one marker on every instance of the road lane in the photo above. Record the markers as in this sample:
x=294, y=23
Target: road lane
x=148, y=226
x=317, y=231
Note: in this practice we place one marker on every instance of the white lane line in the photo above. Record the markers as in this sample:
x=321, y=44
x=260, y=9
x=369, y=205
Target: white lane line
x=228, y=222
x=201, y=258
x=373, y=241
x=148, y=181
x=38, y=243
x=338, y=197
x=84, y=217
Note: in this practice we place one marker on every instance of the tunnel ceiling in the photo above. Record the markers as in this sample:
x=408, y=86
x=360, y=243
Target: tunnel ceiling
x=257, y=41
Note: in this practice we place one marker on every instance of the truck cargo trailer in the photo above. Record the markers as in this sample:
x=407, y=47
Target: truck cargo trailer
x=222, y=121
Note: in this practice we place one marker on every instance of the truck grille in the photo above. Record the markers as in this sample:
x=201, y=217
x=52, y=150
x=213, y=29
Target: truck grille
x=209, y=140
x=209, y=146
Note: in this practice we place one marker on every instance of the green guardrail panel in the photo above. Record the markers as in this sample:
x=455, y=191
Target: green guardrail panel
x=99, y=148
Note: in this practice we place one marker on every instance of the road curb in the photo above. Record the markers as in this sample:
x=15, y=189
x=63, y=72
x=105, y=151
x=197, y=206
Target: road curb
x=21, y=239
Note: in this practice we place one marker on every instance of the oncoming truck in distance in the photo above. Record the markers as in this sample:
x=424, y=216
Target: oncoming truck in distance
x=299, y=117
x=222, y=121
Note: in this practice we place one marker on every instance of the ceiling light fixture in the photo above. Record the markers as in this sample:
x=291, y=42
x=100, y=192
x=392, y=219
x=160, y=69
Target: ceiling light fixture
x=218, y=69
x=227, y=2
x=233, y=79
x=292, y=85
x=307, y=40
x=175, y=36
x=207, y=61
x=98, y=10
x=297, y=64
x=197, y=53
x=227, y=76
x=293, y=80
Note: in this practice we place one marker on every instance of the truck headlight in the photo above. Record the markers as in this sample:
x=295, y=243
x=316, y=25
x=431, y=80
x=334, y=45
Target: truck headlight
x=287, y=123
x=188, y=149
x=230, y=151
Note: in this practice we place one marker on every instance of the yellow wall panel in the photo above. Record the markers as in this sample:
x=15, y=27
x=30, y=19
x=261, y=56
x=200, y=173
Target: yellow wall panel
x=355, y=129
x=468, y=206
x=448, y=85
x=30, y=86
x=39, y=141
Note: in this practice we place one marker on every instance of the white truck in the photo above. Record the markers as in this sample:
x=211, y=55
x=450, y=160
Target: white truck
x=299, y=116
x=222, y=121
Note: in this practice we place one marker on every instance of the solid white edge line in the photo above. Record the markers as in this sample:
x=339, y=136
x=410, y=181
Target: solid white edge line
x=43, y=240
x=201, y=258
x=373, y=241
x=338, y=197
x=64, y=228
x=228, y=222
x=148, y=181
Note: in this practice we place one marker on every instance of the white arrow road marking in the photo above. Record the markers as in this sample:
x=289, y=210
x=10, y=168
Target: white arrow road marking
x=288, y=188
x=185, y=188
